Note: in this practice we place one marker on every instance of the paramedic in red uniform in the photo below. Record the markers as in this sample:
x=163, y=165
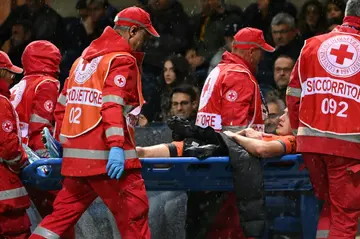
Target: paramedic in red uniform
x=14, y=200
x=231, y=100
x=323, y=99
x=103, y=99
x=34, y=99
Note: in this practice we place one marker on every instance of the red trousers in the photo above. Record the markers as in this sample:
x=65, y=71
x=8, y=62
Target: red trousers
x=227, y=221
x=336, y=180
x=126, y=198
x=15, y=225
x=44, y=201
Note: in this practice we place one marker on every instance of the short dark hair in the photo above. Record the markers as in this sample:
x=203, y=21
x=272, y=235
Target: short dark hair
x=273, y=96
x=185, y=89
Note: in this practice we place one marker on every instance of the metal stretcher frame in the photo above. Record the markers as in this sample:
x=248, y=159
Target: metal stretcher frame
x=210, y=174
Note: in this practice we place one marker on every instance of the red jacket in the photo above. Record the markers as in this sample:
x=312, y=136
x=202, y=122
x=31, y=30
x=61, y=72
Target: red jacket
x=13, y=195
x=231, y=97
x=34, y=97
x=230, y=100
x=86, y=154
x=324, y=93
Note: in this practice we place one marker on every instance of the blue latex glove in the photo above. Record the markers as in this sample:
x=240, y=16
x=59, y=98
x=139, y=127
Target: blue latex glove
x=115, y=165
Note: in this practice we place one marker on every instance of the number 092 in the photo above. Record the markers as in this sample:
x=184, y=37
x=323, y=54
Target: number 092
x=331, y=106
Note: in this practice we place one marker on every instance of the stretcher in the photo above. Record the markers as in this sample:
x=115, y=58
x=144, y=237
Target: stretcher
x=211, y=174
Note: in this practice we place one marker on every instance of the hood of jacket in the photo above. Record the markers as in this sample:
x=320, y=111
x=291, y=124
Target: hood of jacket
x=41, y=58
x=228, y=58
x=110, y=41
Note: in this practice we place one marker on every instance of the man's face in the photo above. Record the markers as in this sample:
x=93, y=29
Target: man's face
x=282, y=34
x=284, y=127
x=282, y=71
x=138, y=38
x=257, y=54
x=273, y=118
x=96, y=11
x=181, y=105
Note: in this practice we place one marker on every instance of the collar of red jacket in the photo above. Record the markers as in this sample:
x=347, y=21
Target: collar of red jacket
x=4, y=89
x=352, y=21
x=110, y=41
x=229, y=57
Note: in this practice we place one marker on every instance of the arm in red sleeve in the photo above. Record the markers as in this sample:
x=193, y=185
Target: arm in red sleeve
x=42, y=115
x=115, y=97
x=60, y=110
x=293, y=94
x=11, y=151
x=237, y=96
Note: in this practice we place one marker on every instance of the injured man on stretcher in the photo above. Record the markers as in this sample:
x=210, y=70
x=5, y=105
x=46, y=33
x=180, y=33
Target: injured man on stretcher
x=256, y=143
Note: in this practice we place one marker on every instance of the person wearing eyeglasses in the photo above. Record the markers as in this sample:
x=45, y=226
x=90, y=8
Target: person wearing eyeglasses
x=184, y=102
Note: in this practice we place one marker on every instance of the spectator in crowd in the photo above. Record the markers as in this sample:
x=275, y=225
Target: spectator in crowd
x=312, y=20
x=286, y=41
x=184, y=102
x=176, y=72
x=47, y=23
x=334, y=13
x=198, y=67
x=335, y=10
x=110, y=10
x=260, y=14
x=21, y=33
x=169, y=17
x=208, y=26
x=282, y=70
x=81, y=9
x=231, y=28
x=276, y=107
x=98, y=18
x=172, y=23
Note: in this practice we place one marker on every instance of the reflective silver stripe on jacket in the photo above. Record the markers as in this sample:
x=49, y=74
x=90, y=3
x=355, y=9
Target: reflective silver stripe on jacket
x=38, y=119
x=62, y=139
x=233, y=129
x=95, y=154
x=293, y=91
x=311, y=132
x=294, y=131
x=62, y=99
x=113, y=99
x=41, y=231
x=114, y=131
x=322, y=234
x=12, y=161
x=12, y=193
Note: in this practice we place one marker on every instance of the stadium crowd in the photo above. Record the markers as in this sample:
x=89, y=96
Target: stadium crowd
x=189, y=47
